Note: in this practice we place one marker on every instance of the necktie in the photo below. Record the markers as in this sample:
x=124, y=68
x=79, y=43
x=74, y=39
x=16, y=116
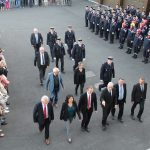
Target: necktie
x=43, y=60
x=44, y=112
x=121, y=91
x=89, y=101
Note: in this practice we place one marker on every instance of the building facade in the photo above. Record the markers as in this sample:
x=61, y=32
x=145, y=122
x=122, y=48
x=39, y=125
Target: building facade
x=142, y=4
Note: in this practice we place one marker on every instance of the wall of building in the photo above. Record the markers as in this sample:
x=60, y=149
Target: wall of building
x=142, y=4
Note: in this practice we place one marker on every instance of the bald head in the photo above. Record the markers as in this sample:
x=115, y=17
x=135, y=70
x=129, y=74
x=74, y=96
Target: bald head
x=55, y=71
x=44, y=99
x=110, y=86
x=35, y=30
x=42, y=49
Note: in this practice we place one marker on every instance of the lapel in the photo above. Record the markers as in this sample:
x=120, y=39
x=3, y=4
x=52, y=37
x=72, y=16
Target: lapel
x=41, y=108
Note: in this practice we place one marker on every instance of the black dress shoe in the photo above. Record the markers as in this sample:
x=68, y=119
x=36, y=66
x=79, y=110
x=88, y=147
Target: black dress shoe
x=7, y=103
x=104, y=128
x=82, y=129
x=4, y=123
x=139, y=119
x=87, y=130
x=132, y=117
x=120, y=120
x=107, y=123
x=63, y=72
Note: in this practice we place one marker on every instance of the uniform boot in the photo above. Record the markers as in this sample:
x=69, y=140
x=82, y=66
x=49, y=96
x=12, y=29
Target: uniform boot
x=146, y=61
x=130, y=50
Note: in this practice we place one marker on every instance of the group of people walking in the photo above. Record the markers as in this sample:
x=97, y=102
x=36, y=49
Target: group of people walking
x=112, y=95
x=129, y=25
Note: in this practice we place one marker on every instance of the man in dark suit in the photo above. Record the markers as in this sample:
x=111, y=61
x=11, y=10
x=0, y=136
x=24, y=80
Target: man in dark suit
x=43, y=115
x=36, y=40
x=70, y=39
x=51, y=40
x=107, y=99
x=138, y=97
x=42, y=61
x=121, y=93
x=107, y=71
x=87, y=102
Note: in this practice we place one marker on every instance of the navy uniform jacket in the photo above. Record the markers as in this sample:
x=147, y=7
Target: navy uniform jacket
x=59, y=51
x=78, y=52
x=146, y=44
x=97, y=19
x=106, y=25
x=113, y=27
x=101, y=24
x=107, y=72
x=86, y=14
x=89, y=15
x=70, y=37
x=93, y=18
x=137, y=41
x=51, y=38
x=118, y=25
x=123, y=33
x=131, y=35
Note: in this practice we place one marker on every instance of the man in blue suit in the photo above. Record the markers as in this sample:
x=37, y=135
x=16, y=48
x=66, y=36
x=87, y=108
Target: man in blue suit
x=54, y=83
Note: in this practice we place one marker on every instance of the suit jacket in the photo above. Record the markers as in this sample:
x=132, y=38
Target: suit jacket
x=109, y=100
x=50, y=84
x=83, y=101
x=37, y=60
x=116, y=86
x=38, y=113
x=79, y=77
x=64, y=111
x=137, y=95
x=33, y=39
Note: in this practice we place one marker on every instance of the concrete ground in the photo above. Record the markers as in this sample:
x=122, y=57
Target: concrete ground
x=16, y=26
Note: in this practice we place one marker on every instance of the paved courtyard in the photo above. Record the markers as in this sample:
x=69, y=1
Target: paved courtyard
x=21, y=133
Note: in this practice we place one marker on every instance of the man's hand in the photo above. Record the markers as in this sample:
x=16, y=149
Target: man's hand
x=116, y=106
x=83, y=59
x=103, y=103
x=72, y=59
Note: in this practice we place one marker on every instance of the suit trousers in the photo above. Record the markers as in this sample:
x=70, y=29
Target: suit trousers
x=51, y=51
x=62, y=62
x=81, y=88
x=70, y=46
x=106, y=34
x=86, y=118
x=106, y=111
x=141, y=103
x=36, y=48
x=121, y=109
x=42, y=70
x=111, y=37
x=46, y=126
x=86, y=22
